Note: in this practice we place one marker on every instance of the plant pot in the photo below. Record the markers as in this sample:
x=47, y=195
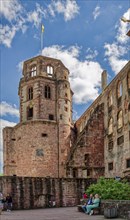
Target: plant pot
x=110, y=212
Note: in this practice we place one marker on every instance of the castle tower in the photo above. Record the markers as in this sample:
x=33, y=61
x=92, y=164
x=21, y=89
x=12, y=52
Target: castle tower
x=41, y=141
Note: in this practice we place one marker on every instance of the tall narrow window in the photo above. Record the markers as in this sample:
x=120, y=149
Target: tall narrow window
x=30, y=93
x=75, y=173
x=110, y=126
x=120, y=119
x=33, y=71
x=47, y=92
x=29, y=113
x=110, y=166
x=110, y=101
x=129, y=112
x=128, y=80
x=119, y=90
x=50, y=70
x=127, y=163
x=86, y=159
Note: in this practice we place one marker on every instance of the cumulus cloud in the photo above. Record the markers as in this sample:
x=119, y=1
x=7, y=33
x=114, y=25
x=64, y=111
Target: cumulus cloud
x=20, y=66
x=36, y=16
x=96, y=12
x=84, y=75
x=116, y=50
x=7, y=34
x=8, y=109
x=91, y=54
x=68, y=8
x=10, y=9
x=3, y=124
x=123, y=29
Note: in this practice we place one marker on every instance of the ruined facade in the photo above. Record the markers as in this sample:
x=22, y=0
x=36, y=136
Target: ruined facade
x=103, y=136
x=46, y=142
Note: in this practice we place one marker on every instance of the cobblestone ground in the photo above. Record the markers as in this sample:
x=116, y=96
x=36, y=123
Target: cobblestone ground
x=70, y=213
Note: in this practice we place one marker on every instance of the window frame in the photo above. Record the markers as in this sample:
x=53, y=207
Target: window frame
x=33, y=71
x=29, y=113
x=47, y=92
x=30, y=93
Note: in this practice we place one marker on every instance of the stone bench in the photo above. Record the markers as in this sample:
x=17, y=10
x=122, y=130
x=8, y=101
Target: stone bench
x=96, y=211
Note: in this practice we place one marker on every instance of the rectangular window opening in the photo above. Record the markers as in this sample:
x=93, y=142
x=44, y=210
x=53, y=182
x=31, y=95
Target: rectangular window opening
x=51, y=117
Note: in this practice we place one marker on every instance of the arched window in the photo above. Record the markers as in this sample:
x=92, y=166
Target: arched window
x=29, y=112
x=50, y=70
x=47, y=92
x=30, y=93
x=110, y=100
x=120, y=119
x=119, y=90
x=33, y=71
x=110, y=126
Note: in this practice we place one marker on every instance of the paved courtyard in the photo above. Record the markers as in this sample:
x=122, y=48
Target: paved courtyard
x=70, y=213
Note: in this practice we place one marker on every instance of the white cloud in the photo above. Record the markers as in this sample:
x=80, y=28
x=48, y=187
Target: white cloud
x=68, y=8
x=91, y=54
x=6, y=109
x=7, y=34
x=3, y=124
x=36, y=16
x=20, y=66
x=85, y=75
x=10, y=9
x=96, y=12
x=123, y=29
x=114, y=52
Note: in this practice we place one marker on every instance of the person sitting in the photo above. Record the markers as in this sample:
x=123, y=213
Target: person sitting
x=89, y=202
x=95, y=204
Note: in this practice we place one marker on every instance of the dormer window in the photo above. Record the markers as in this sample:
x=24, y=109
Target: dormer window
x=33, y=71
x=50, y=71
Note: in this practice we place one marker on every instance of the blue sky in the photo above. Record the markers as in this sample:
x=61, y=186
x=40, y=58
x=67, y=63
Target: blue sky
x=87, y=35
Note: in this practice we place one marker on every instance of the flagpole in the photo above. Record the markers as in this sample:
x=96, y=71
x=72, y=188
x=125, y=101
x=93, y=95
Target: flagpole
x=41, y=41
x=42, y=30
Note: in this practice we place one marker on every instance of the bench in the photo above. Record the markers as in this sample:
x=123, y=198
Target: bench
x=96, y=211
x=79, y=207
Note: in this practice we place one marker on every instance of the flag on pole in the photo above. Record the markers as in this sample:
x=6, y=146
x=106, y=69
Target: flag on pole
x=42, y=28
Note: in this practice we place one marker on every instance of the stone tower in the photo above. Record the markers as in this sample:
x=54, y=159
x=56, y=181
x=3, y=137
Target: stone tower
x=39, y=144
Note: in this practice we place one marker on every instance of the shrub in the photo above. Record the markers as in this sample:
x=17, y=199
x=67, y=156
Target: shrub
x=110, y=189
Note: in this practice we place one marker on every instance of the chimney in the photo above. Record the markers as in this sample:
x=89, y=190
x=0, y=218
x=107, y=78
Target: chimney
x=104, y=79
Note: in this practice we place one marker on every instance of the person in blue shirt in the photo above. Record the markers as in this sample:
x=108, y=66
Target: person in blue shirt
x=95, y=204
x=89, y=202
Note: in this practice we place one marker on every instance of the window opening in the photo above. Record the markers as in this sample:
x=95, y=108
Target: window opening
x=47, y=92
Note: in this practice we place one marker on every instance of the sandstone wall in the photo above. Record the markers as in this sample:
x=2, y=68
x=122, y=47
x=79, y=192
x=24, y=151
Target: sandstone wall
x=29, y=193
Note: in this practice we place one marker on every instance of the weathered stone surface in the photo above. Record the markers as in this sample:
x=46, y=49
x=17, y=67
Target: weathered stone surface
x=36, y=192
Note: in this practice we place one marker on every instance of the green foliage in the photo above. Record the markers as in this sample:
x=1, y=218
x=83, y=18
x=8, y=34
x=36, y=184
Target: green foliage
x=110, y=189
